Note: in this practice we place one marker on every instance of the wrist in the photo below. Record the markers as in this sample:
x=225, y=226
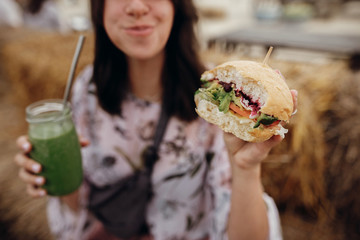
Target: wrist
x=247, y=172
x=245, y=165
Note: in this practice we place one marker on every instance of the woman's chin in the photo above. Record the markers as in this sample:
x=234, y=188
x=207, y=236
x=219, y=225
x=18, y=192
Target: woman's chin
x=143, y=55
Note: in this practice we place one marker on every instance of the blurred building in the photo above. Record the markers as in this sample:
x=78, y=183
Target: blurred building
x=58, y=15
x=298, y=29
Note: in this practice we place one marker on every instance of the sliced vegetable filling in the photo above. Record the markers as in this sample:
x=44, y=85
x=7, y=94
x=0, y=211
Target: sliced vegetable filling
x=227, y=97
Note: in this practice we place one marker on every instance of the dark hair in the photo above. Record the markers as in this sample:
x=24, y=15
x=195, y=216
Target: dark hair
x=182, y=69
x=34, y=6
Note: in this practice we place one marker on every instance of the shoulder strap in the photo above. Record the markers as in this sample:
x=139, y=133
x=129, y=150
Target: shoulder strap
x=160, y=128
x=150, y=155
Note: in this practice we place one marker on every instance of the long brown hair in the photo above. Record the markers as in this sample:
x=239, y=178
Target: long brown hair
x=33, y=6
x=181, y=72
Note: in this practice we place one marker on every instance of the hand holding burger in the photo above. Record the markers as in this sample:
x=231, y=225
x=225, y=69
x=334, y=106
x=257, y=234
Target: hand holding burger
x=250, y=102
x=245, y=98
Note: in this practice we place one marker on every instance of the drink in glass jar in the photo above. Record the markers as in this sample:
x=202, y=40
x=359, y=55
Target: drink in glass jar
x=55, y=145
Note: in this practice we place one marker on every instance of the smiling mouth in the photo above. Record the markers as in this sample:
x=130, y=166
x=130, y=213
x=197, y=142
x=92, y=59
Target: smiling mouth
x=139, y=30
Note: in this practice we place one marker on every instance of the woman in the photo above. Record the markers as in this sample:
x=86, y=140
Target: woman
x=206, y=184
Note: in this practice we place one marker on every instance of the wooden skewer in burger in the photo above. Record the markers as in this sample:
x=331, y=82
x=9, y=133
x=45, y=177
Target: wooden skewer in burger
x=246, y=98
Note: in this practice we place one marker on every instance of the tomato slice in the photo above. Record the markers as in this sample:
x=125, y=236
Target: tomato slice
x=273, y=124
x=238, y=110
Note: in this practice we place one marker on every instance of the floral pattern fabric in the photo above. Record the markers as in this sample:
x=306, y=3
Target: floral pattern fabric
x=191, y=179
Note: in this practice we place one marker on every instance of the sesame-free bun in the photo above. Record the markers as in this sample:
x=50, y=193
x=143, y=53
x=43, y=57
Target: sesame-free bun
x=260, y=82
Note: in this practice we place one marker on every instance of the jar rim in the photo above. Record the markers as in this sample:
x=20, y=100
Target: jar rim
x=48, y=105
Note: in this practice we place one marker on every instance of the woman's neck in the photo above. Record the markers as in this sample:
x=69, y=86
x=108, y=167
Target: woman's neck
x=145, y=77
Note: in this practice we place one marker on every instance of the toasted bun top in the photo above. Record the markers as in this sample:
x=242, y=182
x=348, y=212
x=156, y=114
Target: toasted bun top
x=260, y=82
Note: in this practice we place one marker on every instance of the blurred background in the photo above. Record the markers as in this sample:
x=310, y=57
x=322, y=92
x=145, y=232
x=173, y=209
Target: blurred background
x=313, y=175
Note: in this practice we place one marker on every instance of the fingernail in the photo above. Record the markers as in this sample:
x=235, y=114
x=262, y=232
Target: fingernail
x=39, y=180
x=296, y=93
x=278, y=72
x=26, y=146
x=36, y=168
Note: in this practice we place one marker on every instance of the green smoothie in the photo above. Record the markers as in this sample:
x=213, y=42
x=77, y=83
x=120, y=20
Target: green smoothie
x=55, y=145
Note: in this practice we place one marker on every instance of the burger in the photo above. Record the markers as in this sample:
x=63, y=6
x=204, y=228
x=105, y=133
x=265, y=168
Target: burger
x=245, y=98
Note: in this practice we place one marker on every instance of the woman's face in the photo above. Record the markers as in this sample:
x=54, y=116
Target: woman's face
x=140, y=28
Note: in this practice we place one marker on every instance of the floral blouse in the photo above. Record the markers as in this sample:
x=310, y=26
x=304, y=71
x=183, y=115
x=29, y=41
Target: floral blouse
x=191, y=179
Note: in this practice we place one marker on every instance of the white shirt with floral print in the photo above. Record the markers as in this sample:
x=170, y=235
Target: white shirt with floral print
x=191, y=198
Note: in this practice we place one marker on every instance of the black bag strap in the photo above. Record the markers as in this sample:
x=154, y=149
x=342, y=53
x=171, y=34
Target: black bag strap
x=150, y=155
x=121, y=206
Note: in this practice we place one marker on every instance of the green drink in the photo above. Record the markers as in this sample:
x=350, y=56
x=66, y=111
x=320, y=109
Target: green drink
x=55, y=145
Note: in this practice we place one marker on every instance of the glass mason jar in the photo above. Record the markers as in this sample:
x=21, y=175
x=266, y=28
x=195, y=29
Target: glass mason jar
x=55, y=145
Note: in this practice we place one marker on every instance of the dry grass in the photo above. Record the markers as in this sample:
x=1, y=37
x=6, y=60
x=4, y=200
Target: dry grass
x=39, y=65
x=20, y=216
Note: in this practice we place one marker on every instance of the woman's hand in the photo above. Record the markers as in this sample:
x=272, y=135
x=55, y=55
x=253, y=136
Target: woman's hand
x=29, y=168
x=248, y=218
x=248, y=155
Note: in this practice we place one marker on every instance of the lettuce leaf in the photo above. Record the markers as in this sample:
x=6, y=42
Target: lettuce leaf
x=265, y=119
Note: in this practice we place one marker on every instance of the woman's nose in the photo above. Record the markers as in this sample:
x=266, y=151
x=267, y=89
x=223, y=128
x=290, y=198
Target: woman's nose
x=137, y=8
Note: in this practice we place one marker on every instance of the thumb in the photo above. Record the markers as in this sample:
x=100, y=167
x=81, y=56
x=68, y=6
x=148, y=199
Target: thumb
x=273, y=141
x=233, y=143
